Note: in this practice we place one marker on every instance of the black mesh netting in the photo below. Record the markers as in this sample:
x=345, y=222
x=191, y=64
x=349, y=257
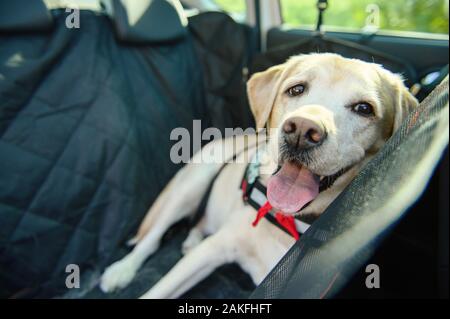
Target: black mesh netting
x=349, y=231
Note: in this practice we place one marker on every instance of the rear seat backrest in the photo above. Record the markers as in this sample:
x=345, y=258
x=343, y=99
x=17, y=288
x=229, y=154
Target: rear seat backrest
x=148, y=21
x=143, y=21
x=24, y=15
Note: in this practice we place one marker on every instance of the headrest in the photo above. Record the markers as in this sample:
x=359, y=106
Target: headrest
x=24, y=15
x=144, y=21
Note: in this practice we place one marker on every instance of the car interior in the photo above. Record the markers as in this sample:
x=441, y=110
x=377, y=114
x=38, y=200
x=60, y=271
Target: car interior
x=87, y=104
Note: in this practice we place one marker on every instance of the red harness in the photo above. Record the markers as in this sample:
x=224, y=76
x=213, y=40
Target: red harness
x=282, y=221
x=254, y=194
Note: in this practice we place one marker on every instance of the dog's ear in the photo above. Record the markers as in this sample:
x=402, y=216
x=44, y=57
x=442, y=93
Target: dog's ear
x=402, y=101
x=262, y=89
x=405, y=103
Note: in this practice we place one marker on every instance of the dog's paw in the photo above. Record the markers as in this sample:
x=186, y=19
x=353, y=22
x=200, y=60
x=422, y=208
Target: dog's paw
x=118, y=275
x=193, y=239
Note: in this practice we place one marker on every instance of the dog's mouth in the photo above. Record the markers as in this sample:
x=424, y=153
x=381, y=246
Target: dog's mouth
x=292, y=187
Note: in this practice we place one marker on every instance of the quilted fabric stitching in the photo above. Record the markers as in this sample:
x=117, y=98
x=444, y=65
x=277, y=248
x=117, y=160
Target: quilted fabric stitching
x=45, y=179
x=48, y=64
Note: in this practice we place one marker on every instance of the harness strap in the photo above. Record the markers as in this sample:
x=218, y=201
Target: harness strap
x=287, y=222
x=195, y=219
x=262, y=212
x=254, y=193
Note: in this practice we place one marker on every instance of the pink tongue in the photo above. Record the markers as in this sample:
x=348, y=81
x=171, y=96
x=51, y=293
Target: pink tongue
x=292, y=188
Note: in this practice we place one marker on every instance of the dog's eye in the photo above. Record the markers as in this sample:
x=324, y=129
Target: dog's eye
x=296, y=90
x=363, y=108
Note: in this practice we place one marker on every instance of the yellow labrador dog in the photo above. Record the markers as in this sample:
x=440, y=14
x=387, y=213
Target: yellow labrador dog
x=328, y=114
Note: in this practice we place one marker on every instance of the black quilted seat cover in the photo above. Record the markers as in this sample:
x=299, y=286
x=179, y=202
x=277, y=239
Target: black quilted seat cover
x=84, y=140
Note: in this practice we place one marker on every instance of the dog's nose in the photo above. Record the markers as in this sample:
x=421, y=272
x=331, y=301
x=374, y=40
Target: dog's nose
x=303, y=133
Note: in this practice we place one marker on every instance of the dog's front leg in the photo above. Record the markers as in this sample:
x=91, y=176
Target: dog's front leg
x=201, y=261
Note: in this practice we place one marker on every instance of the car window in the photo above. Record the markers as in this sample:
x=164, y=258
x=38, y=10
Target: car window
x=429, y=16
x=235, y=8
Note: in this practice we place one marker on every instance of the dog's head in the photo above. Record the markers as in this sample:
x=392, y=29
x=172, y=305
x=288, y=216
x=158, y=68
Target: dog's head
x=326, y=113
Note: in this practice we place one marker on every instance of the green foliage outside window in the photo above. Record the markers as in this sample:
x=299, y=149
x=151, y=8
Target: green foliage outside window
x=232, y=6
x=399, y=15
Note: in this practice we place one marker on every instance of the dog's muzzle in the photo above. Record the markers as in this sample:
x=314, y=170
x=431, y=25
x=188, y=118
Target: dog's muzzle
x=301, y=133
